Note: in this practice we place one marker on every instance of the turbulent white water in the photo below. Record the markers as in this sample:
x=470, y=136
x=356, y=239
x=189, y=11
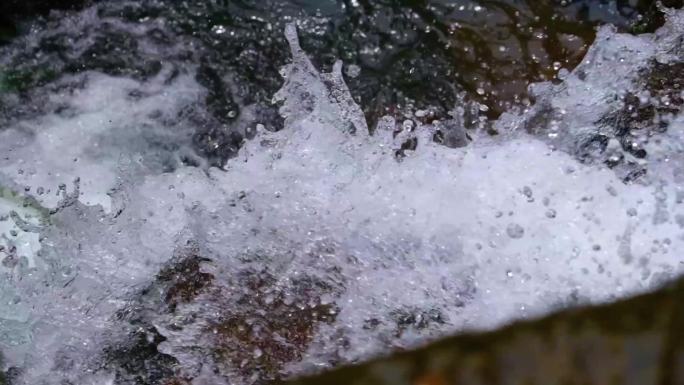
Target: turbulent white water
x=469, y=238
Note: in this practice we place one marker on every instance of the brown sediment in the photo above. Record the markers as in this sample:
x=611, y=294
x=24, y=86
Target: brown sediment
x=270, y=327
x=184, y=279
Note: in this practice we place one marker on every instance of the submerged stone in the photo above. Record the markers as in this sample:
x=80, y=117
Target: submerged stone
x=637, y=340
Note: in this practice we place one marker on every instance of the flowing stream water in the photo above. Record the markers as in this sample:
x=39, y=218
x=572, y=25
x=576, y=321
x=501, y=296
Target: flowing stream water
x=238, y=192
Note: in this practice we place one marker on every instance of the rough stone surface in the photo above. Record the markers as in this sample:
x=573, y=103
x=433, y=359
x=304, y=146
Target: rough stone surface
x=636, y=341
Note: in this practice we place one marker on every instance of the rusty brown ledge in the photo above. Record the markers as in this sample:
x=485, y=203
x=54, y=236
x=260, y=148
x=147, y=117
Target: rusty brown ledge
x=637, y=341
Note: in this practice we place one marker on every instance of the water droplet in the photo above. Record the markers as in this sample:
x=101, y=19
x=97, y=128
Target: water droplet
x=218, y=29
x=515, y=231
x=258, y=353
x=353, y=71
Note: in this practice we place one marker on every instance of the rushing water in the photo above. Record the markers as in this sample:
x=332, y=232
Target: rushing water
x=411, y=54
x=209, y=192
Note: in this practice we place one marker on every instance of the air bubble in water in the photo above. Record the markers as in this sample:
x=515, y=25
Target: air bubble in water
x=515, y=231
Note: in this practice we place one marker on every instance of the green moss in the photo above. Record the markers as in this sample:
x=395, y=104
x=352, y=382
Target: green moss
x=23, y=80
x=20, y=200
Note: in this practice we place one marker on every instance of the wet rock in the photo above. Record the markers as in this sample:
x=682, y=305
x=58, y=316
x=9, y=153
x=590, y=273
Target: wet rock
x=116, y=53
x=452, y=133
x=10, y=375
x=416, y=319
x=652, y=14
x=617, y=121
x=137, y=360
x=270, y=327
x=633, y=341
x=14, y=13
x=406, y=50
x=404, y=54
x=408, y=145
x=150, y=39
x=251, y=326
x=135, y=357
x=183, y=280
x=642, y=118
x=14, y=8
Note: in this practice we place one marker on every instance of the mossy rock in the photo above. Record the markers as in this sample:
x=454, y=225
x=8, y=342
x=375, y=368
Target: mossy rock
x=21, y=81
x=634, y=341
x=25, y=203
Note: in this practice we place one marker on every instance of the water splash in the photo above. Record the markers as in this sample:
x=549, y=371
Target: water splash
x=318, y=244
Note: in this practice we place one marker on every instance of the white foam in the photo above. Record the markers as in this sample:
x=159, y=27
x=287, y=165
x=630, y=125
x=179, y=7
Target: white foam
x=503, y=229
x=97, y=126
